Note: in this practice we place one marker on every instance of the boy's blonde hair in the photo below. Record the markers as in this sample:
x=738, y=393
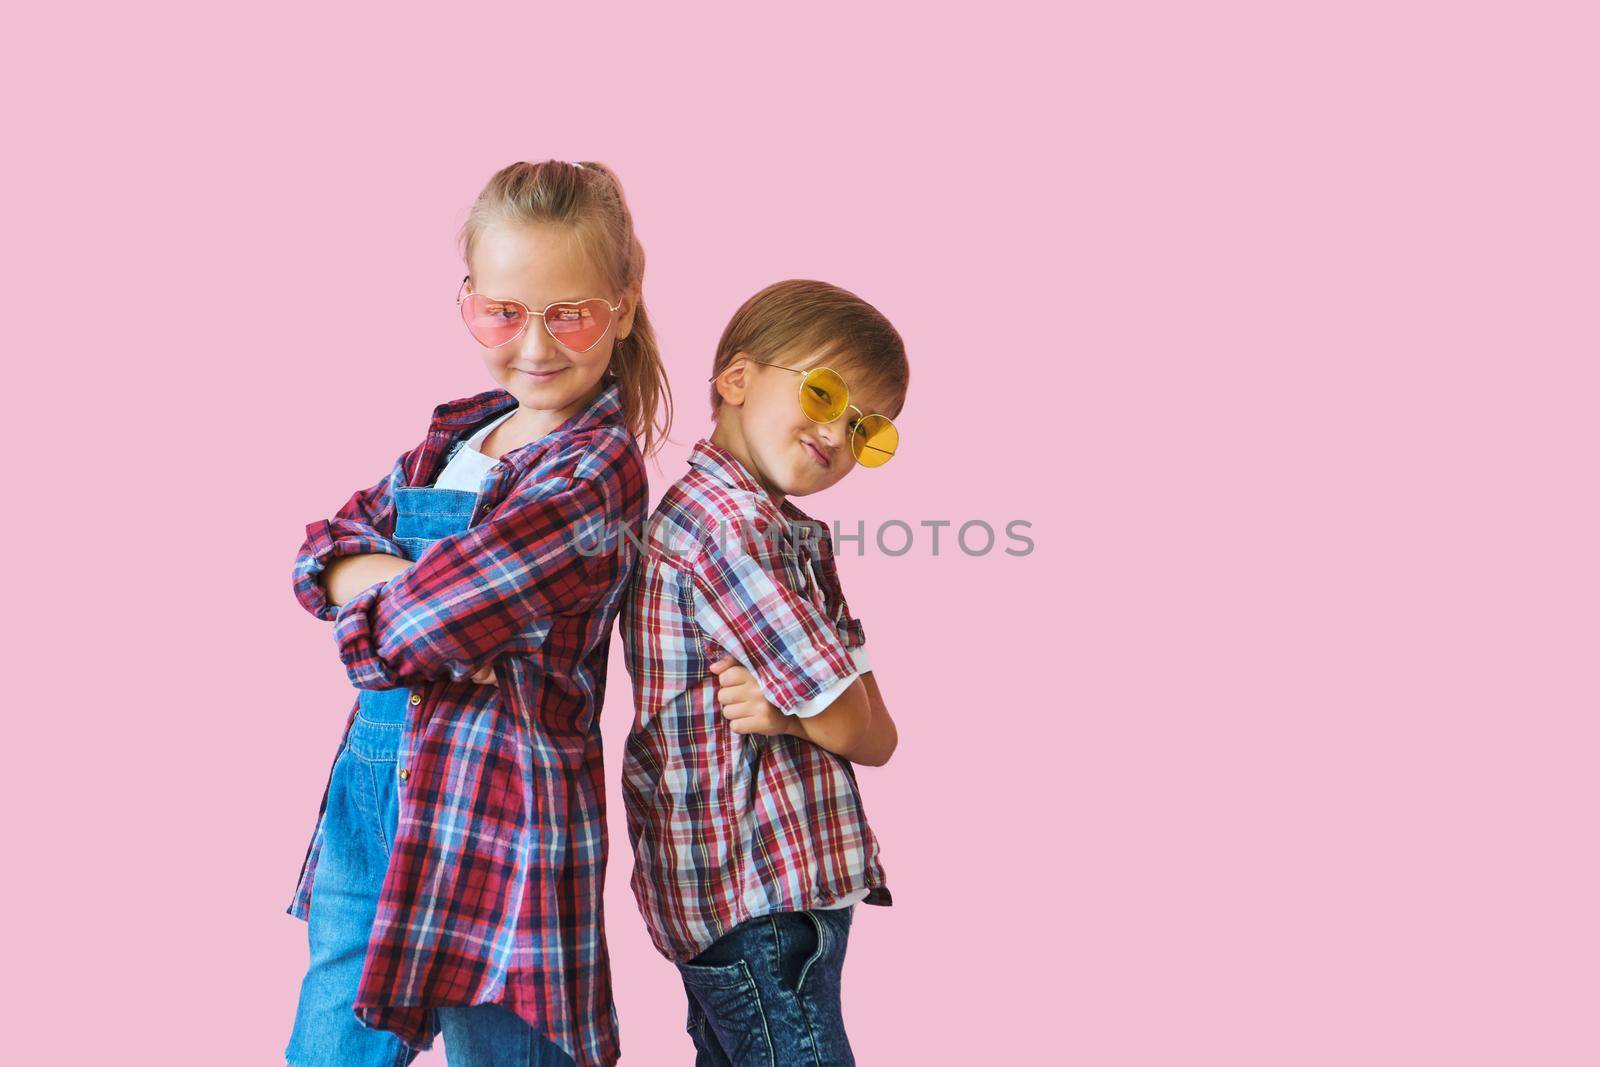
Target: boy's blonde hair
x=587, y=199
x=800, y=316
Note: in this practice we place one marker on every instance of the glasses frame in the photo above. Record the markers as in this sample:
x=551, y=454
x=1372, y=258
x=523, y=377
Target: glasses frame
x=855, y=428
x=462, y=294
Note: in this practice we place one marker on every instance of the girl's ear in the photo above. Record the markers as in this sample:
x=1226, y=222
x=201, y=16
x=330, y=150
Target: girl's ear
x=630, y=304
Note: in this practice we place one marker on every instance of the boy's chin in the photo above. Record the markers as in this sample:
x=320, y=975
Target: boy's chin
x=804, y=483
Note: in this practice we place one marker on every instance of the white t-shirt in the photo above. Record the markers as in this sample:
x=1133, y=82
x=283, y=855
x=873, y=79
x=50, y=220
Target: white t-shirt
x=846, y=900
x=467, y=465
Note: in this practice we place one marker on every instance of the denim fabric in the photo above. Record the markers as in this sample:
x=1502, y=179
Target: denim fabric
x=355, y=854
x=491, y=1035
x=363, y=811
x=766, y=993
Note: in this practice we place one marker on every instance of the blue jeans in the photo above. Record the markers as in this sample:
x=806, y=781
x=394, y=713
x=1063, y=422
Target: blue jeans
x=358, y=831
x=767, y=993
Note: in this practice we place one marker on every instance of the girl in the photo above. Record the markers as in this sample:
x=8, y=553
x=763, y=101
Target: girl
x=454, y=875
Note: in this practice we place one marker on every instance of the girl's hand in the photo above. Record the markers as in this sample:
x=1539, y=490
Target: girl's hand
x=743, y=705
x=486, y=675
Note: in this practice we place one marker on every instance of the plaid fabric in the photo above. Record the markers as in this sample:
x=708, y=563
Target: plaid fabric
x=494, y=880
x=724, y=826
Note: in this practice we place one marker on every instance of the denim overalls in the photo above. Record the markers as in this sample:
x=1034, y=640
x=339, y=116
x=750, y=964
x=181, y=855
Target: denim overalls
x=359, y=827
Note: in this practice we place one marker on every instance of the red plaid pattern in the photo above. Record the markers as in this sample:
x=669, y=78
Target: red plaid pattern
x=494, y=881
x=724, y=826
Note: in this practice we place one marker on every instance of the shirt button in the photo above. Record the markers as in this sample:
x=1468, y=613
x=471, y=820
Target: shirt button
x=404, y=774
x=416, y=698
x=494, y=468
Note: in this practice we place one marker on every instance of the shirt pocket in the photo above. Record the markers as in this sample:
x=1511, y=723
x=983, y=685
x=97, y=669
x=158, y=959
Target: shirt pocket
x=797, y=574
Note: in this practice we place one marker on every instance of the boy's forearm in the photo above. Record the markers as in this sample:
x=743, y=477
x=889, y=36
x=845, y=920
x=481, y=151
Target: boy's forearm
x=348, y=575
x=882, y=738
x=856, y=727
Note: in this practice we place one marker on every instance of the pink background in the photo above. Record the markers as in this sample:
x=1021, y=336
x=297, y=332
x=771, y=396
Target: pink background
x=1278, y=324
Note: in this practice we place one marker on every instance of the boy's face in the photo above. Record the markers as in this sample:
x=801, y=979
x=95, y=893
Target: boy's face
x=786, y=452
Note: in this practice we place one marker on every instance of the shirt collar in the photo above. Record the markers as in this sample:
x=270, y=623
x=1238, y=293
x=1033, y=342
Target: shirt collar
x=720, y=464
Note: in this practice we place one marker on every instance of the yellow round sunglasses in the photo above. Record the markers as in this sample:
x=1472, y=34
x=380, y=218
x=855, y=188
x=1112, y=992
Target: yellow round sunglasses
x=824, y=397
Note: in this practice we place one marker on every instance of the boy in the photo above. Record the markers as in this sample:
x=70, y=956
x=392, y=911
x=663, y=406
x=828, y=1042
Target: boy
x=752, y=690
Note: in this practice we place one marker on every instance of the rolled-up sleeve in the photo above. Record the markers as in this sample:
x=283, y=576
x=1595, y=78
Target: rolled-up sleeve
x=742, y=603
x=819, y=703
x=363, y=525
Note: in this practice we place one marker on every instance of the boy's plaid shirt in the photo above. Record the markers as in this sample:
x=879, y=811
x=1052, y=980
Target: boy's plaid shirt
x=727, y=826
x=494, y=879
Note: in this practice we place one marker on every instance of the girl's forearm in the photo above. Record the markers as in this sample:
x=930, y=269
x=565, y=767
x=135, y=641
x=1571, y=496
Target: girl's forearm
x=348, y=575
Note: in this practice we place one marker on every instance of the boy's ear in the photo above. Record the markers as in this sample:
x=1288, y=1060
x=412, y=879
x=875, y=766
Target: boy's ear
x=733, y=381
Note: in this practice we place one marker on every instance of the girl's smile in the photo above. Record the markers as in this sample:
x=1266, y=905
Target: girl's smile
x=540, y=375
x=538, y=264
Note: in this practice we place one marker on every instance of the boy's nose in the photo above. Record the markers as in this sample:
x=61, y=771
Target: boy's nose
x=832, y=435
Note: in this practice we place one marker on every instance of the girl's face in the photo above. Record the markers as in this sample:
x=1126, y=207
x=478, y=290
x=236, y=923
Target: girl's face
x=539, y=265
x=785, y=451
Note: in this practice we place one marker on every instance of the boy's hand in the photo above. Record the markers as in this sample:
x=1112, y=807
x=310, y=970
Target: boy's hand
x=743, y=705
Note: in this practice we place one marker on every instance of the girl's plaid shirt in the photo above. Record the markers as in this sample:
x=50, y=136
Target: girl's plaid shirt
x=494, y=880
x=727, y=826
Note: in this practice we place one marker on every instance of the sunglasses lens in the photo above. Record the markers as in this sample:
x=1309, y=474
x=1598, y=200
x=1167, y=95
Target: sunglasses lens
x=823, y=395
x=579, y=326
x=874, y=441
x=493, y=322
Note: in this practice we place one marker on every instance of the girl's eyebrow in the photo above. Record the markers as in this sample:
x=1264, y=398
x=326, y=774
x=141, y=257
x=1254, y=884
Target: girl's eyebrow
x=485, y=292
x=536, y=304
